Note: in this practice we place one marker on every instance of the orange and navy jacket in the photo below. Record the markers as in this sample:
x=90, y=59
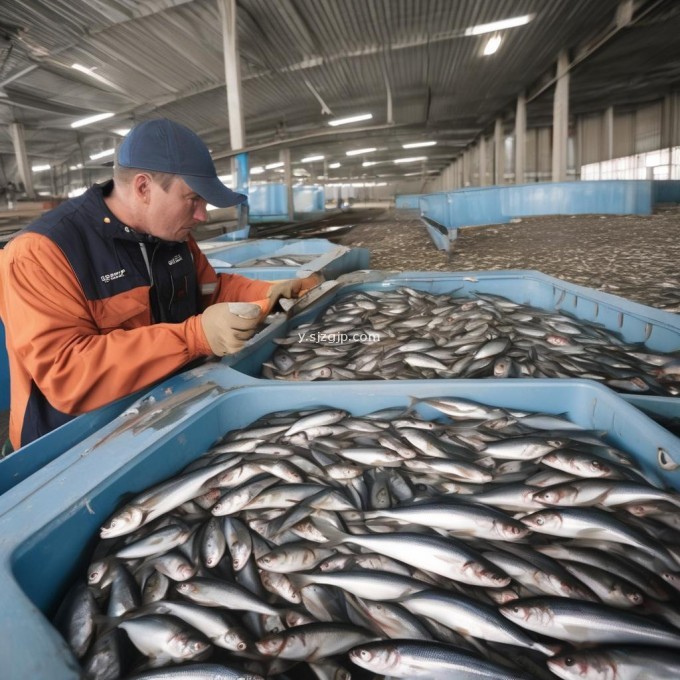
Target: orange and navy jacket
x=85, y=325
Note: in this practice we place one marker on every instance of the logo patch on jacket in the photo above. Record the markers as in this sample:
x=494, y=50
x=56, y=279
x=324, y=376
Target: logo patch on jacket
x=175, y=260
x=107, y=278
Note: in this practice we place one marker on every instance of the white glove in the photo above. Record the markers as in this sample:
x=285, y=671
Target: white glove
x=228, y=325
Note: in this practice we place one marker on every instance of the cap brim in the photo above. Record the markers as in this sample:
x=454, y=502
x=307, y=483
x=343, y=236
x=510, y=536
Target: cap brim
x=213, y=191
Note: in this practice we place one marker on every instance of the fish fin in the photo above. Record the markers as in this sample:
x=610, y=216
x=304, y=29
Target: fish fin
x=333, y=536
x=548, y=650
x=413, y=402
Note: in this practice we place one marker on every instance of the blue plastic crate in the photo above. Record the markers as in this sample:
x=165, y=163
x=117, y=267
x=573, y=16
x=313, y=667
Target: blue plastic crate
x=329, y=259
x=49, y=523
x=659, y=330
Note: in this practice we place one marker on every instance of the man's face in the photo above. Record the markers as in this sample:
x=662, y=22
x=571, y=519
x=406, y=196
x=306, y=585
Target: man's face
x=173, y=214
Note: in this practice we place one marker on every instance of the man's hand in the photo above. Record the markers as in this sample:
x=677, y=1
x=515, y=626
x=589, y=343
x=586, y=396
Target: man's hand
x=290, y=288
x=228, y=325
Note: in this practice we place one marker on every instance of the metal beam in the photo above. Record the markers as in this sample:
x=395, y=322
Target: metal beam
x=17, y=132
x=481, y=150
x=609, y=133
x=232, y=73
x=284, y=157
x=561, y=119
x=498, y=152
x=520, y=138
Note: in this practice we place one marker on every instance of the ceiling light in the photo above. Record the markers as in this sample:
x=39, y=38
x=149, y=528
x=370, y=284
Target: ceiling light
x=257, y=170
x=350, y=119
x=40, y=168
x=102, y=154
x=332, y=166
x=415, y=145
x=224, y=178
x=273, y=166
x=311, y=159
x=77, y=192
x=91, y=119
x=357, y=152
x=122, y=131
x=413, y=159
x=492, y=45
x=366, y=164
x=499, y=25
x=75, y=167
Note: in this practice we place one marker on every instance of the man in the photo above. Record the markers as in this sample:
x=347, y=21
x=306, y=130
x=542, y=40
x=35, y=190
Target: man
x=109, y=292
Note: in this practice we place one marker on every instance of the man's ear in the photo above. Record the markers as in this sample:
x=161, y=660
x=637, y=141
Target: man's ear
x=141, y=187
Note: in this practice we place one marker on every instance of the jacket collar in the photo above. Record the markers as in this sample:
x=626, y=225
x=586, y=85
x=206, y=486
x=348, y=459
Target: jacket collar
x=109, y=224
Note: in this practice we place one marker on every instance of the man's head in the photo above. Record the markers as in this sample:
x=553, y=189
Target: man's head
x=168, y=177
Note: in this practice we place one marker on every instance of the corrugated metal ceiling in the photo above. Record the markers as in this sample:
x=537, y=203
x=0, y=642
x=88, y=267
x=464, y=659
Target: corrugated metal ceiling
x=164, y=58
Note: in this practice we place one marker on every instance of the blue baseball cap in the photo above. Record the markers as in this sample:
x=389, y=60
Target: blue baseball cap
x=166, y=146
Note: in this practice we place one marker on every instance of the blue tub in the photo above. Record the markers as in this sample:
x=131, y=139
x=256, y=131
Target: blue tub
x=659, y=330
x=49, y=523
x=21, y=464
x=445, y=212
x=329, y=259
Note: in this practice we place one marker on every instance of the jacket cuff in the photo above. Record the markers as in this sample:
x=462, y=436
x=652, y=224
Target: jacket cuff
x=197, y=343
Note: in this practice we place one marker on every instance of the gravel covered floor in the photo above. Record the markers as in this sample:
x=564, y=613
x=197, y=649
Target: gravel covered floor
x=634, y=256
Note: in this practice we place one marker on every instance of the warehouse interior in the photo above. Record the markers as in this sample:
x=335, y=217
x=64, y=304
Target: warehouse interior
x=419, y=69
x=449, y=446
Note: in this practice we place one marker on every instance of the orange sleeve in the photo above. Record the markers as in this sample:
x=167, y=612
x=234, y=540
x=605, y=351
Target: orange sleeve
x=225, y=287
x=54, y=339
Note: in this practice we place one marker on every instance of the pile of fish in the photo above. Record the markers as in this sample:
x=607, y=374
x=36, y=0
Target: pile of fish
x=279, y=261
x=449, y=539
x=405, y=333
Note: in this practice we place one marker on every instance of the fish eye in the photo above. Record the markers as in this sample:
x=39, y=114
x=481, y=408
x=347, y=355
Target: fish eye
x=364, y=654
x=596, y=464
x=241, y=646
x=568, y=661
x=540, y=521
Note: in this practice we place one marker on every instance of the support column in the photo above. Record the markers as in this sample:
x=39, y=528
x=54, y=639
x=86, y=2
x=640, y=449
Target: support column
x=284, y=157
x=498, y=152
x=609, y=133
x=561, y=119
x=520, y=139
x=482, y=161
x=232, y=77
x=466, y=168
x=668, y=129
x=240, y=177
x=17, y=132
x=232, y=72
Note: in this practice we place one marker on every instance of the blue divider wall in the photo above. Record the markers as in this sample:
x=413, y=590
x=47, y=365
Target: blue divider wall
x=269, y=202
x=666, y=191
x=497, y=205
x=308, y=199
x=476, y=206
x=407, y=202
